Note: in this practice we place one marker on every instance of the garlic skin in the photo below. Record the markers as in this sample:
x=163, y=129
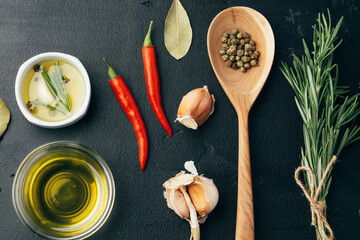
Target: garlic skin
x=195, y=108
x=190, y=167
x=180, y=179
x=191, y=196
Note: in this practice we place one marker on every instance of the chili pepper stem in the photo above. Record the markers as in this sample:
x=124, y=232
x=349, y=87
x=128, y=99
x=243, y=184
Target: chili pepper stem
x=147, y=41
x=111, y=72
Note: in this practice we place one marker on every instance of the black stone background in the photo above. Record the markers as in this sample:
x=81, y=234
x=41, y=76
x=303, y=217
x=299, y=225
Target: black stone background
x=92, y=29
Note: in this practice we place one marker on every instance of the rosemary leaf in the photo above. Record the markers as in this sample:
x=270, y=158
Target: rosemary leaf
x=47, y=105
x=57, y=88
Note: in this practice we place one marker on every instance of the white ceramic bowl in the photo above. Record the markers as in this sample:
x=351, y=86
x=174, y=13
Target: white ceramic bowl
x=24, y=68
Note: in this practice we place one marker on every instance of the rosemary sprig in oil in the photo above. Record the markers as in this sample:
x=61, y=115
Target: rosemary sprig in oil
x=328, y=115
x=57, y=88
x=38, y=103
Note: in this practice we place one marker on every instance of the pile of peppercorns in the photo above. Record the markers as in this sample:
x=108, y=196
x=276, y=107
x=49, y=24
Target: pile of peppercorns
x=239, y=51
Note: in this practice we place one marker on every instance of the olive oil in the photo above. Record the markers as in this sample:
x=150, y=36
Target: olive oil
x=64, y=194
x=36, y=90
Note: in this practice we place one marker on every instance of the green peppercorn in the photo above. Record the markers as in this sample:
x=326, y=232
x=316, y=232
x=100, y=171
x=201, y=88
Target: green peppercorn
x=225, y=57
x=37, y=68
x=247, y=40
x=247, y=65
x=226, y=35
x=246, y=53
x=224, y=40
x=253, y=63
x=235, y=31
x=240, y=52
x=237, y=58
x=252, y=43
x=232, y=48
x=239, y=35
x=228, y=52
x=228, y=63
x=229, y=41
x=232, y=36
x=240, y=64
x=222, y=52
x=246, y=35
x=253, y=56
x=243, y=69
x=235, y=41
x=225, y=46
x=32, y=108
x=242, y=42
x=257, y=53
x=250, y=53
x=232, y=58
x=247, y=47
x=253, y=48
x=245, y=59
x=234, y=66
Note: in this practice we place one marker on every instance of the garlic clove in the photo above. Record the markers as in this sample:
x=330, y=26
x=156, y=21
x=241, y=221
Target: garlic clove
x=176, y=201
x=195, y=108
x=204, y=195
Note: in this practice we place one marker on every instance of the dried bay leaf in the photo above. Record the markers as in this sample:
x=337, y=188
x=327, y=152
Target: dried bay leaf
x=4, y=116
x=178, y=31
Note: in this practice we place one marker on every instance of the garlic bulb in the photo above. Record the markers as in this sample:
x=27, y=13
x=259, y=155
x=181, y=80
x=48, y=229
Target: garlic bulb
x=195, y=108
x=191, y=197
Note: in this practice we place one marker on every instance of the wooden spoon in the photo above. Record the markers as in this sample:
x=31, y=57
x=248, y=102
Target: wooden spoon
x=242, y=90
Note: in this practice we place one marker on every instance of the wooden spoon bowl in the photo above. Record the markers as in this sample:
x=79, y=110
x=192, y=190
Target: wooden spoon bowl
x=242, y=89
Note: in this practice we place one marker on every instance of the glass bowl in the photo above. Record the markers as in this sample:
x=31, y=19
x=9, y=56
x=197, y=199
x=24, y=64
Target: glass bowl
x=63, y=190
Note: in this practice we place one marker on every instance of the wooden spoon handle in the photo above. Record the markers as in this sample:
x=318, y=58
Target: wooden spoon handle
x=245, y=212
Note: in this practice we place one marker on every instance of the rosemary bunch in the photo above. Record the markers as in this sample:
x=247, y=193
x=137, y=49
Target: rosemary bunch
x=328, y=116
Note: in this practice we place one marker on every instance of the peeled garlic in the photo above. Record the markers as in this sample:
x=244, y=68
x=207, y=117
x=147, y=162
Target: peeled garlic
x=191, y=197
x=195, y=107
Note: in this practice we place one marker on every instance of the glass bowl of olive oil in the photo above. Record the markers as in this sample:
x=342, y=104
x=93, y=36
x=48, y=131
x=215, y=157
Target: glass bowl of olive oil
x=63, y=190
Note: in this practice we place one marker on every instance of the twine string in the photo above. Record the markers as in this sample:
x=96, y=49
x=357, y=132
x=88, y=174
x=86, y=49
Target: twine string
x=317, y=206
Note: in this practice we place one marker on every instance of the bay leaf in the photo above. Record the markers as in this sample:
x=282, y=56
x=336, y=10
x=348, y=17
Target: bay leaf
x=4, y=116
x=178, y=31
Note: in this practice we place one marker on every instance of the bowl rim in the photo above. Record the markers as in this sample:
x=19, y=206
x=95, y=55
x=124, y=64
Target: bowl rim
x=20, y=79
x=29, y=159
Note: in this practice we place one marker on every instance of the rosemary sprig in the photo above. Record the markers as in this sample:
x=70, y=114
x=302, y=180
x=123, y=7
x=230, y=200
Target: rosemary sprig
x=57, y=87
x=328, y=115
x=38, y=103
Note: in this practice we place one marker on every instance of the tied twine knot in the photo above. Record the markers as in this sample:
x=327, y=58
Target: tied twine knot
x=317, y=206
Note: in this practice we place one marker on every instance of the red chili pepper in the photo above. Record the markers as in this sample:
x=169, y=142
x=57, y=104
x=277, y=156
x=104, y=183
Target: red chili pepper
x=152, y=80
x=129, y=106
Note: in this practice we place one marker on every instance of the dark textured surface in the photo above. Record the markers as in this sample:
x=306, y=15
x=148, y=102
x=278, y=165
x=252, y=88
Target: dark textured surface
x=92, y=29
